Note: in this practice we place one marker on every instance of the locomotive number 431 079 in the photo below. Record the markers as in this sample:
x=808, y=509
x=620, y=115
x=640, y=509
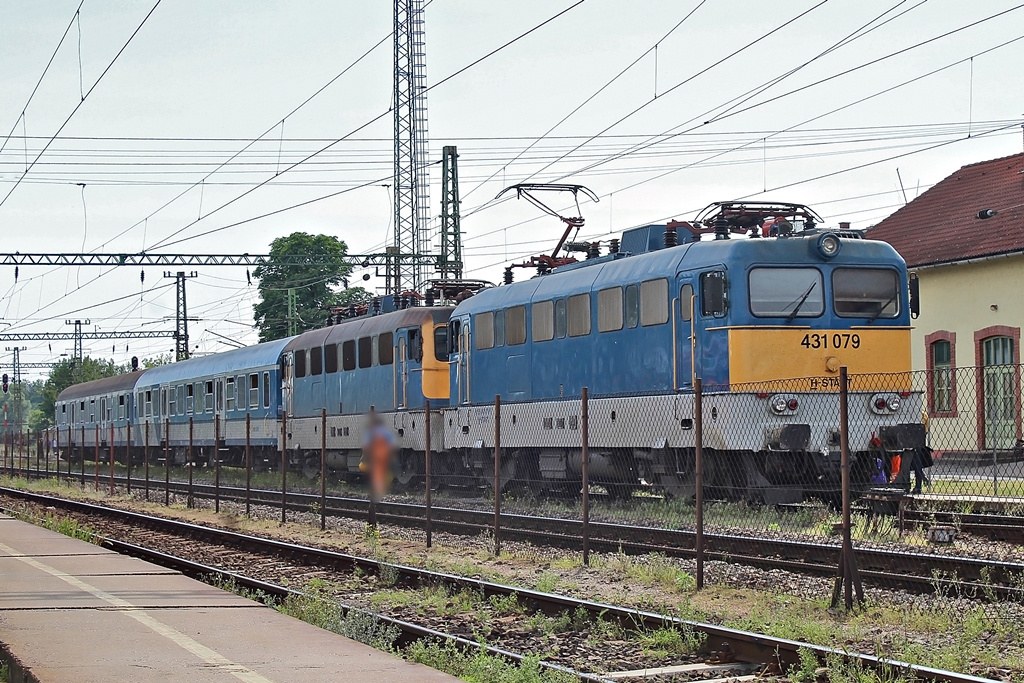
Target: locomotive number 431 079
x=835, y=340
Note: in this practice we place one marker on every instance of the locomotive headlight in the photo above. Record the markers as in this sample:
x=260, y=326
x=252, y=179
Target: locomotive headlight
x=829, y=245
x=893, y=403
x=778, y=404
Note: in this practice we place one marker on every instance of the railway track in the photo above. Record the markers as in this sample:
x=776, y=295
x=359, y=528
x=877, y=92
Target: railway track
x=915, y=572
x=729, y=649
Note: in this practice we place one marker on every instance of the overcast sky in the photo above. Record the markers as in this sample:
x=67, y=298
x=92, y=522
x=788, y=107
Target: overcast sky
x=201, y=80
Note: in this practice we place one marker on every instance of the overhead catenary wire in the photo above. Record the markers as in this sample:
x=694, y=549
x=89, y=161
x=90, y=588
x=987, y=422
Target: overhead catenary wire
x=82, y=101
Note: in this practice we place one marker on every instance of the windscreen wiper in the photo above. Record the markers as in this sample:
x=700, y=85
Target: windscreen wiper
x=800, y=303
x=881, y=308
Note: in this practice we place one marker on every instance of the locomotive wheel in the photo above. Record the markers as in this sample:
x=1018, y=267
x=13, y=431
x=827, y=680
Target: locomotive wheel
x=405, y=474
x=620, y=491
x=680, y=486
x=311, y=466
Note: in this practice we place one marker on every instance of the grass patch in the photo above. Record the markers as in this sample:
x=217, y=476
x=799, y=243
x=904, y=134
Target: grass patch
x=480, y=667
x=665, y=642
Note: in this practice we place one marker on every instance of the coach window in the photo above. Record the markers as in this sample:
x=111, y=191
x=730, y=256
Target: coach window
x=103, y=409
x=300, y=363
x=230, y=393
x=543, y=321
x=348, y=355
x=632, y=306
x=484, y=330
x=515, y=325
x=254, y=390
x=686, y=302
x=579, y=315
x=331, y=358
x=786, y=292
x=189, y=400
x=208, y=396
x=441, y=343
x=266, y=389
x=92, y=410
x=386, y=348
x=609, y=309
x=220, y=395
x=560, y=318
x=713, y=293
x=240, y=392
x=865, y=293
x=654, y=302
x=365, y=352
x=316, y=361
x=120, y=407
x=163, y=400
x=149, y=403
x=499, y=328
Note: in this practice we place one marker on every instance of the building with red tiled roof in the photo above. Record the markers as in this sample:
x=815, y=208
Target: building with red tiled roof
x=964, y=240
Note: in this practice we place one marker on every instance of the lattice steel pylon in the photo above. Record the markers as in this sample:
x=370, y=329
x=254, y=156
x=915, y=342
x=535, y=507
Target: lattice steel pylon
x=449, y=263
x=181, y=348
x=412, y=174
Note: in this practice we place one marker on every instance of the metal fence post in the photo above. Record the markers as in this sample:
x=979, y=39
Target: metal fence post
x=284, y=466
x=167, y=461
x=248, y=465
x=82, y=451
x=191, y=432
x=70, y=436
x=113, y=453
x=21, y=451
x=96, y=461
x=216, y=463
x=698, y=475
x=128, y=457
x=145, y=458
x=847, y=578
x=46, y=450
x=323, y=469
x=585, y=471
x=426, y=467
x=497, y=475
x=367, y=455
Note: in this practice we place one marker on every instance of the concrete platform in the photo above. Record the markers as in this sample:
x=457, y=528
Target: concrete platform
x=71, y=611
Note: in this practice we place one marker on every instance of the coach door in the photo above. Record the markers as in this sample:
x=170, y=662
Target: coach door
x=683, y=302
x=402, y=368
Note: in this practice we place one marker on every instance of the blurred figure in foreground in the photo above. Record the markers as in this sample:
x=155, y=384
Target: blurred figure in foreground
x=378, y=449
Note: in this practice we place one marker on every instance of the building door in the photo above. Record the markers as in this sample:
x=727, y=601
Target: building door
x=999, y=398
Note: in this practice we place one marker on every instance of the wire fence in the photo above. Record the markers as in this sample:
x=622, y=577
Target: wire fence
x=827, y=472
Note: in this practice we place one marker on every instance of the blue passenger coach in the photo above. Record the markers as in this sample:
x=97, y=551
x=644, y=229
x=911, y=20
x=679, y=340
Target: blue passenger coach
x=224, y=386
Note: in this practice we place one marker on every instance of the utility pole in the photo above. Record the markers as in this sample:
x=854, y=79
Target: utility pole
x=181, y=347
x=76, y=359
x=412, y=175
x=293, y=315
x=450, y=258
x=16, y=381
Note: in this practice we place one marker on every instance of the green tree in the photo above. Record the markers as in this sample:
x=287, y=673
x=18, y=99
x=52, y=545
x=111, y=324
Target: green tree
x=62, y=376
x=314, y=284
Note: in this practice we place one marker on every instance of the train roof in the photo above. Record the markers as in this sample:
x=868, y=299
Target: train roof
x=226, y=363
x=117, y=384
x=367, y=325
x=612, y=269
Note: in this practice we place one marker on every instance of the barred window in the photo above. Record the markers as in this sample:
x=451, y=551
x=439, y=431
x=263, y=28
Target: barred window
x=609, y=309
x=543, y=321
x=654, y=302
x=515, y=324
x=942, y=377
x=484, y=330
x=579, y=315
